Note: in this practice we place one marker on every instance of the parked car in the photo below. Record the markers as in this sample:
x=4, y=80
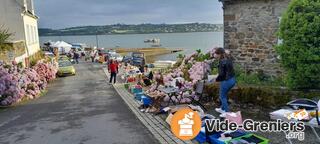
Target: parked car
x=66, y=68
x=66, y=58
x=127, y=58
x=102, y=51
x=49, y=54
x=63, y=58
x=135, y=58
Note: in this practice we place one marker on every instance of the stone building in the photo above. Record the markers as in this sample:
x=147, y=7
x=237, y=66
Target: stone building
x=250, y=28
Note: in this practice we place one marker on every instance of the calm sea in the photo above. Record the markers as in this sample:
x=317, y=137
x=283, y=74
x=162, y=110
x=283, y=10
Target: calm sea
x=188, y=41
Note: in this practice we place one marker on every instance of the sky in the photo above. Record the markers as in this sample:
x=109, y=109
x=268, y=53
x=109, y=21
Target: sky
x=59, y=14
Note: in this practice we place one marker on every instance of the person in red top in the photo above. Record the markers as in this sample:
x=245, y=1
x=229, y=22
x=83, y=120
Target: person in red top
x=113, y=69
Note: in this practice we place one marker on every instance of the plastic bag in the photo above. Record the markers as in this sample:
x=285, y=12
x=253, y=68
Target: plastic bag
x=234, y=117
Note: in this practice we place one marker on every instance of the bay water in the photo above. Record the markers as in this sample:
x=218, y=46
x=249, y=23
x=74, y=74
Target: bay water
x=189, y=42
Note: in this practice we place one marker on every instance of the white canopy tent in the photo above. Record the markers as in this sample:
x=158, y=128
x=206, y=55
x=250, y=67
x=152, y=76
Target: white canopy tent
x=62, y=46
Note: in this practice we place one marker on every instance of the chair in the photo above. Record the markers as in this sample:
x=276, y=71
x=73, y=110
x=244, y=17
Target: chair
x=199, y=91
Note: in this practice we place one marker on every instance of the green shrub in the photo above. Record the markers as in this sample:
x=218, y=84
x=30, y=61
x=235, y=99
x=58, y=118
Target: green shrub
x=36, y=57
x=300, y=50
x=257, y=78
x=214, y=67
x=4, y=35
x=180, y=56
x=200, y=57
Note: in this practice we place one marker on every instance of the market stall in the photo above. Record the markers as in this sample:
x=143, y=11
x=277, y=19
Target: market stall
x=183, y=87
x=178, y=85
x=62, y=46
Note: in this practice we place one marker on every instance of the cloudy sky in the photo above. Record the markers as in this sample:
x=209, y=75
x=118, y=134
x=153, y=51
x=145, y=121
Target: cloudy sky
x=67, y=13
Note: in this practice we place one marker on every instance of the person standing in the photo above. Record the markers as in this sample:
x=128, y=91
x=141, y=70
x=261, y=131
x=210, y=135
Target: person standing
x=76, y=57
x=141, y=68
x=118, y=64
x=93, y=55
x=87, y=55
x=113, y=69
x=226, y=78
x=83, y=55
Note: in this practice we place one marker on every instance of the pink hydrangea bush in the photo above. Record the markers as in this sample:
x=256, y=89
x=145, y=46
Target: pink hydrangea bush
x=212, y=51
x=17, y=83
x=33, y=83
x=10, y=90
x=46, y=71
x=198, y=71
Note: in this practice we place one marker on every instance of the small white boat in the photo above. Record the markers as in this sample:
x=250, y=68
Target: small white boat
x=153, y=40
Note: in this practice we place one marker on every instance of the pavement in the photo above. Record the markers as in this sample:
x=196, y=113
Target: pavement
x=81, y=109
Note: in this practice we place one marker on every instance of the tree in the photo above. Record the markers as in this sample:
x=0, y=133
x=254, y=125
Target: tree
x=4, y=35
x=300, y=50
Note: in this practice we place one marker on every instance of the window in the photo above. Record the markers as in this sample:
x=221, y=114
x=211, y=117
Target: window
x=34, y=34
x=37, y=34
x=28, y=34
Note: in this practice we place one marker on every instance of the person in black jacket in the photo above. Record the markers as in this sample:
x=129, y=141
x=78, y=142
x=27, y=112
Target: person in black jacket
x=76, y=57
x=226, y=78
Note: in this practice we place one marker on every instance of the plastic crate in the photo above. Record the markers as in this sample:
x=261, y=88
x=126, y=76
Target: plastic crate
x=138, y=96
x=146, y=100
x=135, y=90
x=131, y=88
x=264, y=140
x=201, y=137
x=126, y=86
x=214, y=139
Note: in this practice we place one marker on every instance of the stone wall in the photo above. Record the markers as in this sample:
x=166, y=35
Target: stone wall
x=250, y=28
x=10, y=51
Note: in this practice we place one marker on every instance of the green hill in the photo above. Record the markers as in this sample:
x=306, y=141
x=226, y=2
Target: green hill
x=132, y=29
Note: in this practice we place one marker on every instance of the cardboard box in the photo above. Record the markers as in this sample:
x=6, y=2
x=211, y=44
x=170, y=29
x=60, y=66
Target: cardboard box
x=168, y=119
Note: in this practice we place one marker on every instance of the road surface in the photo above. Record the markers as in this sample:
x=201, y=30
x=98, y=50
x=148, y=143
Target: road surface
x=81, y=109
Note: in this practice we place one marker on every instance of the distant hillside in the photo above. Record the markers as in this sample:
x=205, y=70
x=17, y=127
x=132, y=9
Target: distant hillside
x=132, y=29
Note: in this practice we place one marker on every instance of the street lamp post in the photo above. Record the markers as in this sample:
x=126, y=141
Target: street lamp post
x=97, y=42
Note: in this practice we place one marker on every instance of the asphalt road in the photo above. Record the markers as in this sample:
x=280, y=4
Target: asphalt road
x=81, y=109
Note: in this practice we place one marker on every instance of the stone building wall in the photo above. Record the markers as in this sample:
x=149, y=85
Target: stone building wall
x=12, y=50
x=250, y=28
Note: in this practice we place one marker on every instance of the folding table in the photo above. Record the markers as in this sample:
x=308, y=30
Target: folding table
x=171, y=92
